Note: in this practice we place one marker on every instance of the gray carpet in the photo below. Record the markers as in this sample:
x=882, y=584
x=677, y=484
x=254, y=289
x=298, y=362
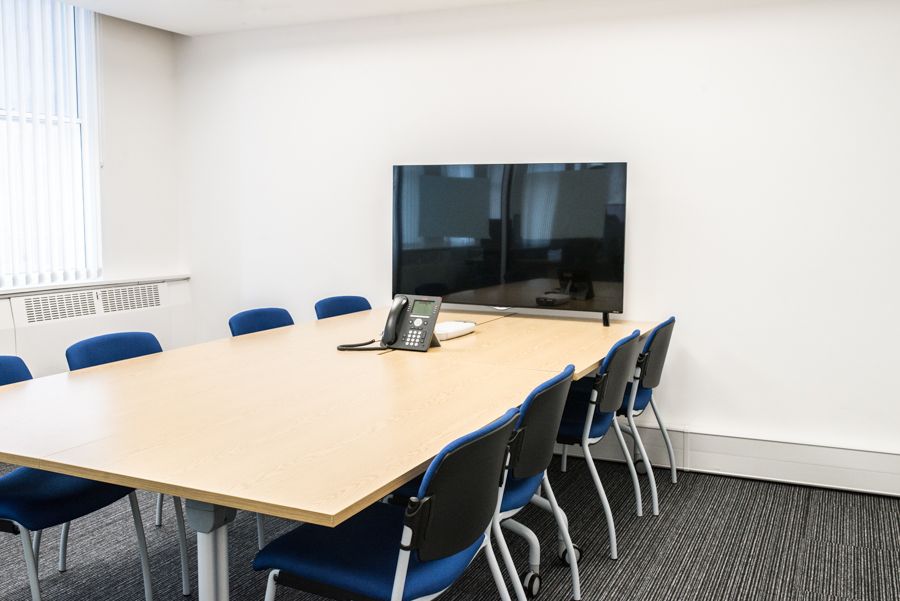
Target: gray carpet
x=716, y=538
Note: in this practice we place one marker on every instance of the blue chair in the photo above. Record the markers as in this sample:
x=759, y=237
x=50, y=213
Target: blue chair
x=110, y=348
x=639, y=395
x=531, y=452
x=248, y=322
x=32, y=500
x=341, y=305
x=257, y=320
x=120, y=346
x=394, y=553
x=591, y=409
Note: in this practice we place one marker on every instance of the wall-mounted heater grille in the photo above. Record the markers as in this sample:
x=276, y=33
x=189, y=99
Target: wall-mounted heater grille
x=128, y=298
x=44, y=324
x=50, y=307
x=41, y=308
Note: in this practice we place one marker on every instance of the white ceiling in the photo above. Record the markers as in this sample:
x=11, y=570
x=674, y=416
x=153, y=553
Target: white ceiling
x=197, y=17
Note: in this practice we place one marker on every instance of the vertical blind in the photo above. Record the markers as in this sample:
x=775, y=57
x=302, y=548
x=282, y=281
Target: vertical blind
x=49, y=163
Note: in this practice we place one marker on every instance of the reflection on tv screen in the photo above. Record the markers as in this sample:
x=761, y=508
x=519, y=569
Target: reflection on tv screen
x=515, y=235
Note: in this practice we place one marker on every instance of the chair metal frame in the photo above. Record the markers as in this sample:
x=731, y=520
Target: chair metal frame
x=31, y=544
x=531, y=453
x=182, y=540
x=639, y=452
x=632, y=468
x=600, y=396
x=653, y=363
x=564, y=540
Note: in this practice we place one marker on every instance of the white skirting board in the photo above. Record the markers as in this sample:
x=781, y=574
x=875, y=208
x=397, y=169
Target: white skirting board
x=810, y=465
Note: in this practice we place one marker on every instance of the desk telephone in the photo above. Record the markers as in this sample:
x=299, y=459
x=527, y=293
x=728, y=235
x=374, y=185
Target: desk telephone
x=409, y=327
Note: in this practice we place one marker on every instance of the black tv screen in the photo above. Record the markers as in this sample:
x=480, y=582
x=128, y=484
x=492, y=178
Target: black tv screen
x=549, y=235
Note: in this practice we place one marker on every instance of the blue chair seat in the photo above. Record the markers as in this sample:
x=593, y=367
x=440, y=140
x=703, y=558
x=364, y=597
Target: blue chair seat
x=38, y=499
x=570, y=429
x=572, y=424
x=518, y=492
x=640, y=401
x=359, y=557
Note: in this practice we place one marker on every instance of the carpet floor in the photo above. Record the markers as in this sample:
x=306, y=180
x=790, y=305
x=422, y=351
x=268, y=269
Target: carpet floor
x=715, y=538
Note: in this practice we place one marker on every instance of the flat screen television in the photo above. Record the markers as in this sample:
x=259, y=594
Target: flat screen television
x=548, y=235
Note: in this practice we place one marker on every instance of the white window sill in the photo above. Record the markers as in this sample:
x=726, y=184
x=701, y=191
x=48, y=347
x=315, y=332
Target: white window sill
x=88, y=284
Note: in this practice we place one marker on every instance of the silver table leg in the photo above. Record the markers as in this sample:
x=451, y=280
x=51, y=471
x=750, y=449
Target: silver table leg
x=211, y=523
x=222, y=584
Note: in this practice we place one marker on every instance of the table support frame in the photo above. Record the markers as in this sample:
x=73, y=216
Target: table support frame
x=211, y=523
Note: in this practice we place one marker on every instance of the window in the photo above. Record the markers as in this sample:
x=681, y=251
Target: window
x=49, y=160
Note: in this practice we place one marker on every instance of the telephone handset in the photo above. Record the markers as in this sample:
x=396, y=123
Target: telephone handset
x=389, y=336
x=409, y=327
x=410, y=323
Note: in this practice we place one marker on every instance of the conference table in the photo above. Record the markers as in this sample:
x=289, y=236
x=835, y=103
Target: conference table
x=282, y=423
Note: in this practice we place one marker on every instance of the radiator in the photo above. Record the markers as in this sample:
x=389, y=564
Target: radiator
x=39, y=327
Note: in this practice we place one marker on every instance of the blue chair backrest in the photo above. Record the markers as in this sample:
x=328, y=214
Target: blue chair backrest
x=539, y=418
x=12, y=370
x=341, y=305
x=656, y=347
x=110, y=348
x=617, y=369
x=257, y=320
x=461, y=488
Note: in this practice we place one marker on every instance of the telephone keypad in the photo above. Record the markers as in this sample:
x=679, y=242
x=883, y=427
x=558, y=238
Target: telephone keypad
x=414, y=338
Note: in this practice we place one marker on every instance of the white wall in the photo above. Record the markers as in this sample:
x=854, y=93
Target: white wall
x=141, y=217
x=762, y=143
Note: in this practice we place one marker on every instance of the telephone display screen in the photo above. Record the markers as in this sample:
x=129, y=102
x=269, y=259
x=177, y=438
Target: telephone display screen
x=422, y=308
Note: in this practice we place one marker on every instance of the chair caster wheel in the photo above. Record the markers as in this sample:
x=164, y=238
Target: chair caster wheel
x=564, y=554
x=531, y=582
x=640, y=467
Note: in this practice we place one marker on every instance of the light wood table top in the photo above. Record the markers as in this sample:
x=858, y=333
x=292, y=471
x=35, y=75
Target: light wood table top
x=536, y=342
x=282, y=423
